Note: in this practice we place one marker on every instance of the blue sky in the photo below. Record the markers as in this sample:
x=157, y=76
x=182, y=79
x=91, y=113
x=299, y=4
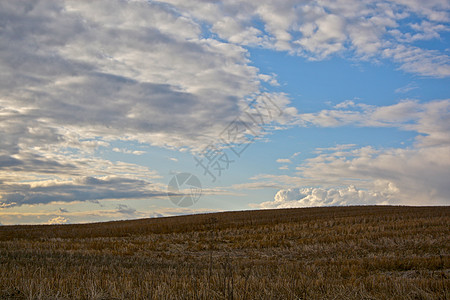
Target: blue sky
x=103, y=103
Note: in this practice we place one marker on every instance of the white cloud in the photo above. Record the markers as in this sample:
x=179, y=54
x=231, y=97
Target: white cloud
x=435, y=10
x=284, y=161
x=271, y=79
x=323, y=36
x=429, y=119
x=337, y=148
x=127, y=151
x=407, y=88
x=58, y=220
x=394, y=176
x=416, y=173
x=319, y=29
x=347, y=174
x=308, y=197
x=420, y=61
x=295, y=154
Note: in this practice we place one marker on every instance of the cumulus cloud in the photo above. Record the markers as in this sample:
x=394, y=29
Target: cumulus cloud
x=58, y=220
x=348, y=174
x=308, y=197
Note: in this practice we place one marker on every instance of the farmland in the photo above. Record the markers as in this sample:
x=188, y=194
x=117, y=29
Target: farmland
x=360, y=252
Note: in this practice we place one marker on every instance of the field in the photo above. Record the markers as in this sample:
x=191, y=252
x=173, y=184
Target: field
x=364, y=252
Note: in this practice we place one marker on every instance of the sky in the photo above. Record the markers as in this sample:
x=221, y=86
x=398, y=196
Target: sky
x=113, y=110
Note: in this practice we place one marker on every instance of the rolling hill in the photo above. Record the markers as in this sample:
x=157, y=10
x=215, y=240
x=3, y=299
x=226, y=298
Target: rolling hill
x=357, y=252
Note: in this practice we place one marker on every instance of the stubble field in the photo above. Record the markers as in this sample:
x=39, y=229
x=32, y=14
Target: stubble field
x=366, y=252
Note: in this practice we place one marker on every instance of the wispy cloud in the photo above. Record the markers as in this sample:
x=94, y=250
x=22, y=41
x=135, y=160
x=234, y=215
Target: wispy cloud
x=127, y=151
x=125, y=209
x=407, y=88
x=284, y=161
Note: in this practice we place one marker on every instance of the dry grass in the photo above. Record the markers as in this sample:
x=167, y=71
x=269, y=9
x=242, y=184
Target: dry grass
x=317, y=253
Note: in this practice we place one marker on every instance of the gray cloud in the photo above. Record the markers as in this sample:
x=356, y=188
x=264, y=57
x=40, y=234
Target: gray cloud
x=125, y=209
x=78, y=189
x=77, y=76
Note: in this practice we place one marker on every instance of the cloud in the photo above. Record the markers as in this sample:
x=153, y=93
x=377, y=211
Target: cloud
x=125, y=209
x=257, y=185
x=348, y=174
x=78, y=189
x=317, y=30
x=435, y=10
x=271, y=79
x=308, y=197
x=295, y=154
x=78, y=76
x=149, y=75
x=421, y=61
x=414, y=176
x=284, y=161
x=416, y=173
x=322, y=36
x=336, y=148
x=407, y=88
x=58, y=220
x=127, y=151
x=430, y=119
